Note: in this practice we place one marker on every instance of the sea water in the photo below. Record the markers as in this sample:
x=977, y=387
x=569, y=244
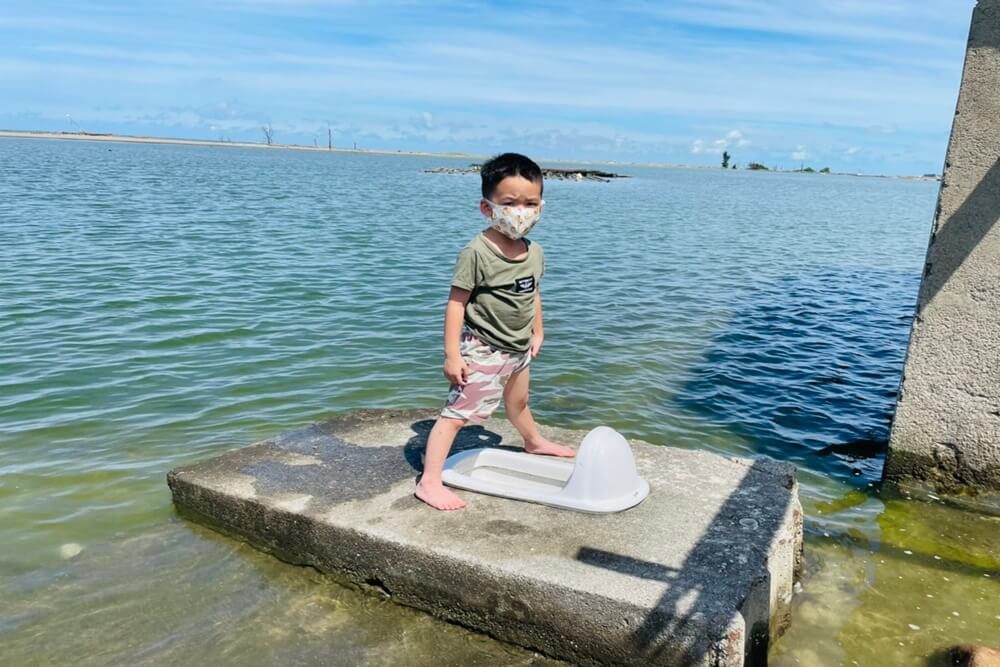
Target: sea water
x=160, y=304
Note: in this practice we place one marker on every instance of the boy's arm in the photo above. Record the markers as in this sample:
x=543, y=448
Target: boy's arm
x=538, y=328
x=454, y=316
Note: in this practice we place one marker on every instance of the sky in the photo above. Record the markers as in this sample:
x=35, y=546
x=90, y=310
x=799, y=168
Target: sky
x=856, y=85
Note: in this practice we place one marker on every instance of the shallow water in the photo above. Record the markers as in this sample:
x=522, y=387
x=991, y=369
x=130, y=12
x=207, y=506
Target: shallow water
x=160, y=304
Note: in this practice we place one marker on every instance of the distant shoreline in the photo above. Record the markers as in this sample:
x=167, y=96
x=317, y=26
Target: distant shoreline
x=133, y=139
x=138, y=139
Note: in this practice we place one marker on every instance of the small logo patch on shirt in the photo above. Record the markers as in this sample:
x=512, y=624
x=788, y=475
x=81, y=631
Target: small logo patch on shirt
x=524, y=285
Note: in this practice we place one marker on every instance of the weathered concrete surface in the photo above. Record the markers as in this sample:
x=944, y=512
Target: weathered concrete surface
x=698, y=574
x=947, y=425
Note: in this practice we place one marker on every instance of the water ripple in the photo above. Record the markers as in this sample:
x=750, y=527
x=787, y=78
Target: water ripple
x=159, y=304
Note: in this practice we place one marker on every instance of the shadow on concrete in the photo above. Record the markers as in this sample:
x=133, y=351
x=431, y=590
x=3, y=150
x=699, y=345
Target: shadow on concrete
x=961, y=233
x=362, y=472
x=470, y=437
x=674, y=631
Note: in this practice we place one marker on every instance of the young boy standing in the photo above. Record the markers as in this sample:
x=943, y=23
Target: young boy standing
x=493, y=321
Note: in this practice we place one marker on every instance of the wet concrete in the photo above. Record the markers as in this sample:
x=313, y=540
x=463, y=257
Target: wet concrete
x=701, y=573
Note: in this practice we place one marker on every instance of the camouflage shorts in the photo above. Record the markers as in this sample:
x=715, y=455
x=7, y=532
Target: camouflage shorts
x=489, y=370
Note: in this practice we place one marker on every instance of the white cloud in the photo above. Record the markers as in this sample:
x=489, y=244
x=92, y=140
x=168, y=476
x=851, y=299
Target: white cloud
x=879, y=67
x=733, y=139
x=890, y=21
x=736, y=139
x=418, y=69
x=800, y=153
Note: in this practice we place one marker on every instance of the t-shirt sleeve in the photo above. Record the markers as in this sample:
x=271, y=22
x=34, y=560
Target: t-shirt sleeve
x=464, y=276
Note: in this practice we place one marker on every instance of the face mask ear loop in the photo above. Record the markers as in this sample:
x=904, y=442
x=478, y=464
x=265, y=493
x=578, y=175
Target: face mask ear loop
x=493, y=208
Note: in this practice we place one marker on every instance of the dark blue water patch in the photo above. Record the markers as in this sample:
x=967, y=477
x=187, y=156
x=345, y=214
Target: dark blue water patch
x=808, y=368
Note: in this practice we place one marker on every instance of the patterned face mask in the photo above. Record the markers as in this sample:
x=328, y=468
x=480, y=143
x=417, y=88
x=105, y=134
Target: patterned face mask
x=514, y=221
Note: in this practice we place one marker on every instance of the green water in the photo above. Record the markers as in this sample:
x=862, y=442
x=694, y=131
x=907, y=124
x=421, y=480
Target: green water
x=160, y=304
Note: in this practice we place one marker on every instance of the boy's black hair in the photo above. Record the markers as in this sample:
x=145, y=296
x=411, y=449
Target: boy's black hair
x=502, y=166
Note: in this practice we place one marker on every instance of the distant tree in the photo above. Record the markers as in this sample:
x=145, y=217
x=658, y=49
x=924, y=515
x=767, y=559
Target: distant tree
x=725, y=159
x=268, y=134
x=824, y=170
x=757, y=166
x=733, y=166
x=329, y=137
x=808, y=170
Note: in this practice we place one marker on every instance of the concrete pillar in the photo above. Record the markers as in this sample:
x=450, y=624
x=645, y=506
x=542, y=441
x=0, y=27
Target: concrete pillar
x=947, y=425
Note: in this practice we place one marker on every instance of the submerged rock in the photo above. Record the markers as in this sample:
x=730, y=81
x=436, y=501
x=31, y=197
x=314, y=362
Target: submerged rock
x=968, y=655
x=70, y=550
x=557, y=174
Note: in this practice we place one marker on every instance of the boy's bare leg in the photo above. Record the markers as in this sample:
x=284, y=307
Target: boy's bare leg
x=430, y=489
x=515, y=396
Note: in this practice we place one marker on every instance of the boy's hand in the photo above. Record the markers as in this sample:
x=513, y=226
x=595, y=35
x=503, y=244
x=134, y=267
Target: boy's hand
x=536, y=345
x=456, y=371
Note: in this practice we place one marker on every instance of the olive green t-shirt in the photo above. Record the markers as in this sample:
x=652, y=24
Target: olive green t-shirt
x=501, y=308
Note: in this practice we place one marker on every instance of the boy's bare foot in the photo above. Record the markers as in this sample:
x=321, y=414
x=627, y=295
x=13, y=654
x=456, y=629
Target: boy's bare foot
x=548, y=448
x=438, y=497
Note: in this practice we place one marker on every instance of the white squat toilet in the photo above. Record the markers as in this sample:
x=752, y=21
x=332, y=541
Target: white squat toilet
x=602, y=478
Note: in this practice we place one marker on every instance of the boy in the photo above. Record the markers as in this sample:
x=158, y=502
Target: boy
x=493, y=321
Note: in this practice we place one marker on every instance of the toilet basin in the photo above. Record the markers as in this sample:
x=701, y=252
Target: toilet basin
x=602, y=478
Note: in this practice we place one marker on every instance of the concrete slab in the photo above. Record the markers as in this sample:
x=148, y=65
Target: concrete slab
x=701, y=573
